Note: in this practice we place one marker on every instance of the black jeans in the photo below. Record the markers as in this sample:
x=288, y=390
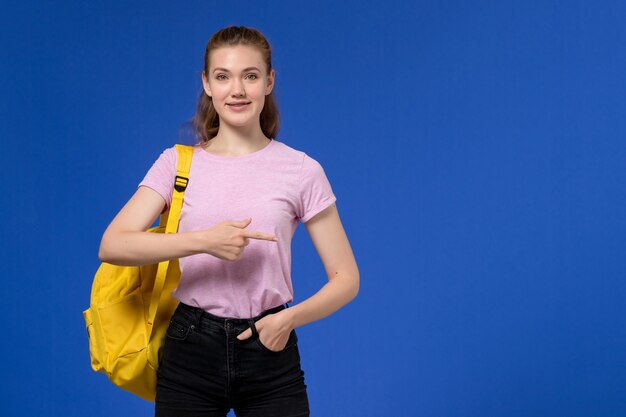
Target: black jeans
x=205, y=370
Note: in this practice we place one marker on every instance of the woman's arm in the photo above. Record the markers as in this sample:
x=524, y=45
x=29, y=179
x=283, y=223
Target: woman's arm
x=126, y=242
x=333, y=247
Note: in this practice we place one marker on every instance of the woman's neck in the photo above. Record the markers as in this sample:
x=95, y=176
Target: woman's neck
x=235, y=142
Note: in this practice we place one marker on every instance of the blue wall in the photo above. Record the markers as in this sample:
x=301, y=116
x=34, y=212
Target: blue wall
x=476, y=150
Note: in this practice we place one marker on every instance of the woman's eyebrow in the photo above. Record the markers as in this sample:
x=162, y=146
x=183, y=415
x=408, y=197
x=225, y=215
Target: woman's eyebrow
x=245, y=69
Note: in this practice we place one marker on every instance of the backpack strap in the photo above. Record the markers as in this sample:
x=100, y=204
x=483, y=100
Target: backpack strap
x=170, y=220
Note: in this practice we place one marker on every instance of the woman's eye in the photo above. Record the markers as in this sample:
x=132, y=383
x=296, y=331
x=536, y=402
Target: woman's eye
x=222, y=75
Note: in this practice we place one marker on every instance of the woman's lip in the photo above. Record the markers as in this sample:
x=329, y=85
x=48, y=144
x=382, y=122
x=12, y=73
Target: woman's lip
x=238, y=108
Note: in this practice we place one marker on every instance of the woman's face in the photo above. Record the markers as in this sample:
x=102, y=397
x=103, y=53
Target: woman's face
x=237, y=74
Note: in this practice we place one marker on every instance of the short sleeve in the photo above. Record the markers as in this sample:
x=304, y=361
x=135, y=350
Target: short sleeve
x=315, y=191
x=160, y=176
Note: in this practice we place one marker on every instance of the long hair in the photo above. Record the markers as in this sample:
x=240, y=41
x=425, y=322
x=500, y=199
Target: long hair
x=206, y=121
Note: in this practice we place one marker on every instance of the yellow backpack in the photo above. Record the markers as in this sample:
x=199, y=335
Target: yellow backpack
x=131, y=306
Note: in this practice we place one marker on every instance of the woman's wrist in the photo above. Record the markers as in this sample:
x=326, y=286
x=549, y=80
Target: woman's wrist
x=290, y=317
x=200, y=241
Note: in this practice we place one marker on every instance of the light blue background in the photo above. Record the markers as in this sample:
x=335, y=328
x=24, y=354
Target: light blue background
x=476, y=150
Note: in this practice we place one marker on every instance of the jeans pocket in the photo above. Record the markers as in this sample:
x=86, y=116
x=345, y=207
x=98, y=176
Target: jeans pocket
x=178, y=330
x=293, y=339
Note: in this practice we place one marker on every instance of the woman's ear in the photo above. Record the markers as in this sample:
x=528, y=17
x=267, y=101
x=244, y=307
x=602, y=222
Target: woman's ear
x=270, y=82
x=205, y=85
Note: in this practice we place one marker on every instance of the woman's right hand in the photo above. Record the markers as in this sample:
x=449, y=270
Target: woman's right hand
x=228, y=239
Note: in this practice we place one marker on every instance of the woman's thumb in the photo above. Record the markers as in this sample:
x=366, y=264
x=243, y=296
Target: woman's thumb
x=240, y=223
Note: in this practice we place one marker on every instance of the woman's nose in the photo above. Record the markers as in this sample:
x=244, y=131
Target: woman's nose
x=238, y=89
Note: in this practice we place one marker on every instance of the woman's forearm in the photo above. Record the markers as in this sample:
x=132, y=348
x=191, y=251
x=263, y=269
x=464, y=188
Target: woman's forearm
x=331, y=297
x=145, y=248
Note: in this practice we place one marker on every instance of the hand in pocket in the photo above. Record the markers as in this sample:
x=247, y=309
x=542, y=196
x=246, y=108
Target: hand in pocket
x=274, y=331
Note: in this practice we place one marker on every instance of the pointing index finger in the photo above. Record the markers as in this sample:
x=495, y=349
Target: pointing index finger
x=260, y=235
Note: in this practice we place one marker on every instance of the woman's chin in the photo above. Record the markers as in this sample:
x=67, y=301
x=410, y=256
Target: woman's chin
x=239, y=121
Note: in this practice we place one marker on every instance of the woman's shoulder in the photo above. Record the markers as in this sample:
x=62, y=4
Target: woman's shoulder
x=171, y=151
x=291, y=152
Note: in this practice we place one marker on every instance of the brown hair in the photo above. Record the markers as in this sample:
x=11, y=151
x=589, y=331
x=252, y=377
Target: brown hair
x=206, y=121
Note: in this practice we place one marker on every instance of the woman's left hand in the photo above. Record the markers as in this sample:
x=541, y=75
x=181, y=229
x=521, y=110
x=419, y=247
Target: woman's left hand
x=274, y=330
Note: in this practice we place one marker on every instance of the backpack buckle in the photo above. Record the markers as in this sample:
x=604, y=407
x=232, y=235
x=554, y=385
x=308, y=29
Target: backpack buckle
x=180, y=183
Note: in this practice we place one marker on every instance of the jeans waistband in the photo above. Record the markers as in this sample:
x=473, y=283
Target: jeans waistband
x=200, y=314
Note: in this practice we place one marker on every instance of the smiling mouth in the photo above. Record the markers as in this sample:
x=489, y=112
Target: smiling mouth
x=239, y=105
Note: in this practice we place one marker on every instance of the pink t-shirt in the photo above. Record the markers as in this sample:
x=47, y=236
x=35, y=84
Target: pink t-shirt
x=276, y=186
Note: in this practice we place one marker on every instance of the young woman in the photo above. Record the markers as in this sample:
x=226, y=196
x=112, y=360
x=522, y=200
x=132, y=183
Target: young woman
x=232, y=342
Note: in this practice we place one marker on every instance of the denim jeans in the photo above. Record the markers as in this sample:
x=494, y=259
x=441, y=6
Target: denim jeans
x=205, y=370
